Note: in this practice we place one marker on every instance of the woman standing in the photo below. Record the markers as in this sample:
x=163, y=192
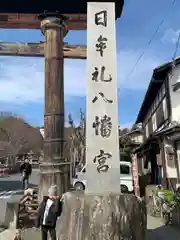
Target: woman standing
x=49, y=210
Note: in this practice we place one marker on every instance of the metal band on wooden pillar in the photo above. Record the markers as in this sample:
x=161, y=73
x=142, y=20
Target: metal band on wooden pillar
x=52, y=169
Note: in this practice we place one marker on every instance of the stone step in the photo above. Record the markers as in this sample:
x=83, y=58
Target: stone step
x=35, y=199
x=31, y=211
x=22, y=214
x=28, y=210
x=31, y=205
x=24, y=220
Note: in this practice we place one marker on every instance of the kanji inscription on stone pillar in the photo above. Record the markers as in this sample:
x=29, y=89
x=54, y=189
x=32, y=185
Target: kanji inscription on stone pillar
x=102, y=143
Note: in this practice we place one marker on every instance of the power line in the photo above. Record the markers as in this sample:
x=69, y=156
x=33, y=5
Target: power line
x=177, y=46
x=175, y=54
x=150, y=41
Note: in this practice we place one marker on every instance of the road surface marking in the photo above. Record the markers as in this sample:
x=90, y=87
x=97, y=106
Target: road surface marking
x=2, y=193
x=8, y=194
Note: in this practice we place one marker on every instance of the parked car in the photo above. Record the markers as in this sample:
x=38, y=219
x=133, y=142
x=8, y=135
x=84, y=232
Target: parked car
x=126, y=181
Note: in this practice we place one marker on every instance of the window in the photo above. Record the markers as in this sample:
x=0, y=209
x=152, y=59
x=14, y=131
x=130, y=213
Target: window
x=170, y=157
x=156, y=101
x=124, y=169
x=163, y=89
x=147, y=117
x=160, y=94
x=145, y=120
x=154, y=123
x=84, y=170
x=147, y=130
x=165, y=109
x=153, y=107
x=145, y=163
x=158, y=98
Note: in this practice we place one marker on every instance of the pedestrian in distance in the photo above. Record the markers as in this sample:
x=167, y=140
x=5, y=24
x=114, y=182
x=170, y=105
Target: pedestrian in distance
x=25, y=170
x=48, y=212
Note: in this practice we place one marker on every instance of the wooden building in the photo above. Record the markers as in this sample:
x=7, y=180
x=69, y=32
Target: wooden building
x=130, y=140
x=159, y=154
x=135, y=136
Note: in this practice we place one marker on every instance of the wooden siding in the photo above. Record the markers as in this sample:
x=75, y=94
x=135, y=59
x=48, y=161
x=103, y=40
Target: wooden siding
x=160, y=115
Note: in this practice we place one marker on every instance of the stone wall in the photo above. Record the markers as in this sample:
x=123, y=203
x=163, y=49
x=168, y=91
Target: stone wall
x=110, y=217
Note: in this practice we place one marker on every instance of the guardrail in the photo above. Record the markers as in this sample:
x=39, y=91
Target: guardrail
x=6, y=170
x=35, y=165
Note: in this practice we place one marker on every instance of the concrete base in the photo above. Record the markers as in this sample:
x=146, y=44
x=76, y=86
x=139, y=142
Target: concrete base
x=11, y=216
x=9, y=234
x=110, y=217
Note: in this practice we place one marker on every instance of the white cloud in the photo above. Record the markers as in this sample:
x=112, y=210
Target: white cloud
x=170, y=36
x=75, y=77
x=22, y=79
x=20, y=82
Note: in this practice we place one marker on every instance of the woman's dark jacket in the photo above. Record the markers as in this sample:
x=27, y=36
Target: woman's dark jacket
x=54, y=212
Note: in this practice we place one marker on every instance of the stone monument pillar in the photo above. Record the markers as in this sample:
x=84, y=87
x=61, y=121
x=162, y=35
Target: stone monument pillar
x=102, y=213
x=53, y=168
x=102, y=138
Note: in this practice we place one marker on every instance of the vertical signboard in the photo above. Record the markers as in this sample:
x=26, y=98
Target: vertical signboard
x=135, y=175
x=102, y=141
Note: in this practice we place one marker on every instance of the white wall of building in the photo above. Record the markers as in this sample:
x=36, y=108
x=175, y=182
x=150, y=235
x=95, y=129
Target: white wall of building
x=178, y=155
x=42, y=131
x=170, y=168
x=175, y=96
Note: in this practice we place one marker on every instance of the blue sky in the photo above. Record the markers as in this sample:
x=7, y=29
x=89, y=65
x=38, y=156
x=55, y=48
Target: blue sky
x=22, y=79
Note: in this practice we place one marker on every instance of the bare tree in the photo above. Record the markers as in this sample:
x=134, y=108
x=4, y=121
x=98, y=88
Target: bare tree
x=125, y=143
x=77, y=148
x=18, y=137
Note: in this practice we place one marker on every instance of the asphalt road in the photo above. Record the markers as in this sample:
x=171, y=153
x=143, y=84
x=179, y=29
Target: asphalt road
x=11, y=184
x=157, y=231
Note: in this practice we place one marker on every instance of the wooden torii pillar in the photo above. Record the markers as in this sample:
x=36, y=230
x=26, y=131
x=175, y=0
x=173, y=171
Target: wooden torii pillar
x=54, y=168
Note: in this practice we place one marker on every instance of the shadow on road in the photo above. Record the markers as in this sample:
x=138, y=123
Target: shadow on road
x=163, y=232
x=8, y=185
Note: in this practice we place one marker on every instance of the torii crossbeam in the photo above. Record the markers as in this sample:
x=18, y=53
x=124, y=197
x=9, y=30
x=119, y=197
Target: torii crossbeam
x=31, y=21
x=37, y=50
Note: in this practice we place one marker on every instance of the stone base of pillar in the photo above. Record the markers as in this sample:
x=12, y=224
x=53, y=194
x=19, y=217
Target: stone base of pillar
x=54, y=174
x=107, y=217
